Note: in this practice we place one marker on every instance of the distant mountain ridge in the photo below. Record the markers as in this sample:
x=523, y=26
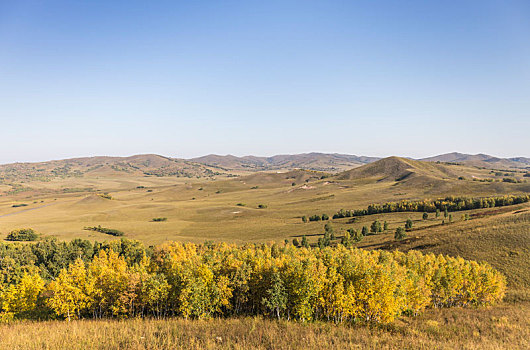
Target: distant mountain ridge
x=481, y=159
x=212, y=165
x=329, y=162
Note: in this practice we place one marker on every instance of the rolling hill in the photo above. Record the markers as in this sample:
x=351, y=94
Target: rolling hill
x=397, y=169
x=482, y=160
x=309, y=161
x=139, y=165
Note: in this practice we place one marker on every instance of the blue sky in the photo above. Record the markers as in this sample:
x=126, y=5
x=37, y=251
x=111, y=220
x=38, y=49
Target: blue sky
x=188, y=78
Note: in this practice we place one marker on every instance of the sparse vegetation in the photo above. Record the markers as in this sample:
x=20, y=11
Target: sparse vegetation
x=108, y=231
x=159, y=219
x=19, y=205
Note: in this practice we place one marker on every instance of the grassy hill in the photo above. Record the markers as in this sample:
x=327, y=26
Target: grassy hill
x=481, y=160
x=223, y=208
x=262, y=206
x=138, y=165
x=309, y=161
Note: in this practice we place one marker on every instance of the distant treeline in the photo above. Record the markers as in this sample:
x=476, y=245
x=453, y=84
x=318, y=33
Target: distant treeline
x=122, y=279
x=108, y=231
x=428, y=205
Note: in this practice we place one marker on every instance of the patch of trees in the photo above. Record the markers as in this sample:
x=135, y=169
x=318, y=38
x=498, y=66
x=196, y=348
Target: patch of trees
x=221, y=280
x=317, y=217
x=19, y=205
x=108, y=231
x=23, y=234
x=428, y=205
x=157, y=220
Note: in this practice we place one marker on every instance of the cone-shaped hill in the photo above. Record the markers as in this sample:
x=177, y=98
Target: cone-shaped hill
x=397, y=169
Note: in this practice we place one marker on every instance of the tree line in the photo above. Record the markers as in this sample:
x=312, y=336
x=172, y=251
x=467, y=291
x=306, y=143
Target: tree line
x=450, y=203
x=122, y=279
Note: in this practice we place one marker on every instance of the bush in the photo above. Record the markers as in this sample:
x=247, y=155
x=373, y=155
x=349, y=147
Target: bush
x=19, y=205
x=159, y=219
x=240, y=204
x=304, y=218
x=425, y=216
x=108, y=231
x=325, y=217
x=262, y=206
x=408, y=224
x=24, y=234
x=315, y=218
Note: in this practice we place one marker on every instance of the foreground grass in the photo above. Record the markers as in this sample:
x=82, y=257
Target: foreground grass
x=502, y=327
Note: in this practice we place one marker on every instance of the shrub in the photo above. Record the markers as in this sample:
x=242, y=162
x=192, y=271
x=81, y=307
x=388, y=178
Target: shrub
x=425, y=216
x=159, y=219
x=19, y=205
x=262, y=206
x=325, y=217
x=315, y=218
x=408, y=224
x=23, y=234
x=108, y=231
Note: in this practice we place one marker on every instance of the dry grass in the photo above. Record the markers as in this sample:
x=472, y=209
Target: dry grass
x=502, y=327
x=204, y=209
x=501, y=240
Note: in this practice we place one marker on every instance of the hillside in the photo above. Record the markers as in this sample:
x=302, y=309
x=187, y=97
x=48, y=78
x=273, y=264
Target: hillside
x=397, y=169
x=137, y=165
x=482, y=160
x=309, y=161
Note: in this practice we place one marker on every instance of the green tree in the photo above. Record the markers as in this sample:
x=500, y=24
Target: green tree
x=385, y=226
x=304, y=218
x=376, y=227
x=400, y=233
x=425, y=216
x=364, y=231
x=295, y=242
x=305, y=243
x=408, y=224
x=276, y=296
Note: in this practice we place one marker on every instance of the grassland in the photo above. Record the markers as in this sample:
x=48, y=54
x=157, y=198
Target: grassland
x=223, y=208
x=207, y=208
x=501, y=327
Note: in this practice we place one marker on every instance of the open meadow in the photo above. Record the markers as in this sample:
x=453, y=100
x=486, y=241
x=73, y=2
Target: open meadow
x=258, y=207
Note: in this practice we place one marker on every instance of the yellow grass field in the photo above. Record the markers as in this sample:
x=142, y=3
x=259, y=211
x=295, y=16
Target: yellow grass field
x=223, y=208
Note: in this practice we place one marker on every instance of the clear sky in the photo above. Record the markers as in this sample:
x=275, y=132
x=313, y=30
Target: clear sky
x=189, y=78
